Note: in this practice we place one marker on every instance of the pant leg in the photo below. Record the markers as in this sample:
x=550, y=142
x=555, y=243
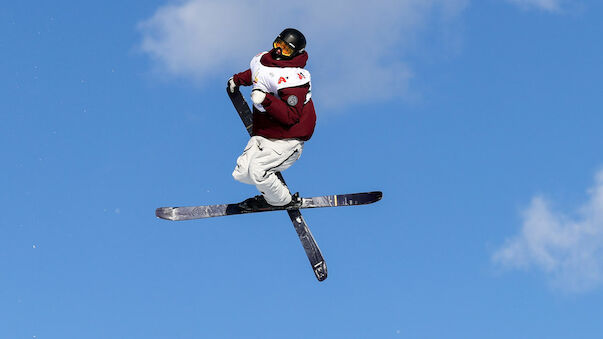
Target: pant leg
x=241, y=171
x=262, y=160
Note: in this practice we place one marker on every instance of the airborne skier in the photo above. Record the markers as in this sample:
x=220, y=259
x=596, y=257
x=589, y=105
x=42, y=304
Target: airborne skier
x=283, y=118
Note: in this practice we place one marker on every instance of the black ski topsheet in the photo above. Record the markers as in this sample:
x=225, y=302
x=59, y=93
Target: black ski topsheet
x=319, y=266
x=303, y=232
x=242, y=108
x=210, y=211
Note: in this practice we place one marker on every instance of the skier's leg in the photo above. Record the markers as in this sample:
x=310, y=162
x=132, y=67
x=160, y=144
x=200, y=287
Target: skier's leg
x=274, y=191
x=241, y=171
x=275, y=156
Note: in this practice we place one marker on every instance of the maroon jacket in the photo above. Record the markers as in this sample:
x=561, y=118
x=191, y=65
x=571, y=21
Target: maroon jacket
x=281, y=121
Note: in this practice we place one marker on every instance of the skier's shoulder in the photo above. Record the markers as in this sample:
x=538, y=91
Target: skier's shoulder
x=256, y=60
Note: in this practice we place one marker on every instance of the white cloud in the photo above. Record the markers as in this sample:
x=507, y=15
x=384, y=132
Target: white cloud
x=567, y=249
x=195, y=38
x=357, y=48
x=546, y=5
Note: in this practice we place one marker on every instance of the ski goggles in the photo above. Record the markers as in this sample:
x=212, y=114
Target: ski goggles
x=286, y=49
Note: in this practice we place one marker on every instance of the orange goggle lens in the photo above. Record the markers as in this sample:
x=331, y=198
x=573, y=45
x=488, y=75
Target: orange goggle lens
x=286, y=50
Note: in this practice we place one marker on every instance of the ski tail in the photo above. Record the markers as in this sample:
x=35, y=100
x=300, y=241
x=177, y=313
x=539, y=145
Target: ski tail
x=317, y=261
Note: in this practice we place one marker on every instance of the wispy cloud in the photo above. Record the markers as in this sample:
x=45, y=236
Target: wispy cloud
x=546, y=5
x=197, y=38
x=357, y=48
x=567, y=249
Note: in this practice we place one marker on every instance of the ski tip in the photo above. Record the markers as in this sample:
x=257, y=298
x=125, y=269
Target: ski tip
x=166, y=213
x=372, y=197
x=320, y=270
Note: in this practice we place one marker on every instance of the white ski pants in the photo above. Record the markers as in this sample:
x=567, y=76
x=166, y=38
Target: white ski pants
x=261, y=159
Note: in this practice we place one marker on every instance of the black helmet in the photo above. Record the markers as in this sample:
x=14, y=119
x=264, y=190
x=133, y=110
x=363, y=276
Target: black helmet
x=288, y=44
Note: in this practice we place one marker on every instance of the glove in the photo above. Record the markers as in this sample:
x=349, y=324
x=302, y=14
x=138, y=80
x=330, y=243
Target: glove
x=258, y=96
x=231, y=85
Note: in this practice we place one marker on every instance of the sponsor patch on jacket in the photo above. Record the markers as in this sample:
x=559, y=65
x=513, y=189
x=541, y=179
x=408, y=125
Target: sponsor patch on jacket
x=292, y=100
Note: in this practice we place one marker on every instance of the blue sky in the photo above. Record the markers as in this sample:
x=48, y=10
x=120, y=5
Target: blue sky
x=479, y=120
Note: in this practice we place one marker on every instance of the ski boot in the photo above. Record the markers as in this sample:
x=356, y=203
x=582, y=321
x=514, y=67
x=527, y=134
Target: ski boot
x=295, y=203
x=259, y=203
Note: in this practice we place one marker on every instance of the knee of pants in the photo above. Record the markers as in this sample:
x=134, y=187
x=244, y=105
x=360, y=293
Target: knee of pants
x=242, y=176
x=237, y=175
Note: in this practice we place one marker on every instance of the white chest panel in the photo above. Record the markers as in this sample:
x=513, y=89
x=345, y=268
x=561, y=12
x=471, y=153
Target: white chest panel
x=272, y=79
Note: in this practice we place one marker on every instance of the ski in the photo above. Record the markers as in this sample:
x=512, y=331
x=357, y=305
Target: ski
x=210, y=211
x=242, y=108
x=303, y=231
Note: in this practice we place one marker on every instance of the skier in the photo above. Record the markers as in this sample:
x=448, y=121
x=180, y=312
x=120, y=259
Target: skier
x=283, y=118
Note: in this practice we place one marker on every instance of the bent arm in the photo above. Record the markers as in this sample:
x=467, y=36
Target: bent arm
x=288, y=109
x=243, y=78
